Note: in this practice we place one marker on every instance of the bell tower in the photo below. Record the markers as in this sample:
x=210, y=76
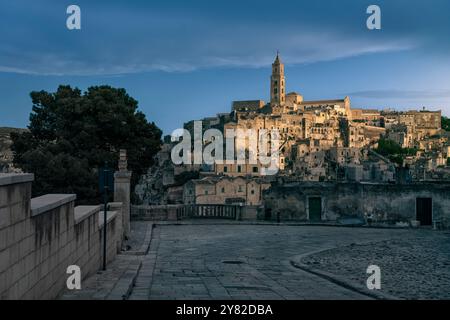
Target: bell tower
x=277, y=83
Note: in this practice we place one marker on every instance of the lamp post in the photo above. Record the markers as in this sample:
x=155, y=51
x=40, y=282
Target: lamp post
x=105, y=204
x=106, y=183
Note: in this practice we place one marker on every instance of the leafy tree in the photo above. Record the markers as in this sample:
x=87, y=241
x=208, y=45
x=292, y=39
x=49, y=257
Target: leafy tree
x=388, y=147
x=71, y=134
x=445, y=123
x=393, y=150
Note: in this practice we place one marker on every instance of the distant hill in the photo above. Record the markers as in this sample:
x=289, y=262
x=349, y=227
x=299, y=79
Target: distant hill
x=6, y=155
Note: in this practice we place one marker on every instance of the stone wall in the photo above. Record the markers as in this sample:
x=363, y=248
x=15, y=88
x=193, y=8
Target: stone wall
x=155, y=212
x=249, y=213
x=41, y=237
x=382, y=202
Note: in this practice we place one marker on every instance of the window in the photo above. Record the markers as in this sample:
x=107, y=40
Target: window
x=239, y=168
x=240, y=189
x=206, y=192
x=255, y=169
x=275, y=90
x=252, y=192
x=225, y=169
x=223, y=190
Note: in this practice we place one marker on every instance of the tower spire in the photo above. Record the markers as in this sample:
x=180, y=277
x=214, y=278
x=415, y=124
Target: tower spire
x=277, y=82
x=277, y=58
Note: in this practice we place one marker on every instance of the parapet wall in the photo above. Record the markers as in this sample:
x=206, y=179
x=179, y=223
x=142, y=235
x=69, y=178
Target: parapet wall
x=155, y=212
x=41, y=237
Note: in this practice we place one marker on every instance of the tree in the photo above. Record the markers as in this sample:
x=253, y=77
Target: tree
x=393, y=150
x=445, y=123
x=71, y=134
x=388, y=147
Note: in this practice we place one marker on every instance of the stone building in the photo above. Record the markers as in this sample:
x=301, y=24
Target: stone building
x=427, y=203
x=307, y=129
x=225, y=190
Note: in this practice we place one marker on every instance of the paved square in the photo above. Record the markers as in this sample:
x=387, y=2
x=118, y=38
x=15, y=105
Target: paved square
x=215, y=261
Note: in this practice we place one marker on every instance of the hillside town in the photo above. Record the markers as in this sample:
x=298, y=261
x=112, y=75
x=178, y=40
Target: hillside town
x=320, y=141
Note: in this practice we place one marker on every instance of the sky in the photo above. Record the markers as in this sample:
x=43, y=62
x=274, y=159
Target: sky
x=184, y=60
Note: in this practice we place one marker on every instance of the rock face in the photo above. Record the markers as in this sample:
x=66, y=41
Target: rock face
x=163, y=183
x=6, y=155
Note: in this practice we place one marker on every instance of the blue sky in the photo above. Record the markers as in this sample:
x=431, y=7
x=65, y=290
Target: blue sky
x=185, y=60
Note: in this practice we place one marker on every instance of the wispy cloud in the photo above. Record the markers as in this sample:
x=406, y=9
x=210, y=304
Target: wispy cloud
x=128, y=39
x=246, y=50
x=402, y=94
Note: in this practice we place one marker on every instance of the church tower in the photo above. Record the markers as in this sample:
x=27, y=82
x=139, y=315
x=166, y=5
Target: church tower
x=277, y=83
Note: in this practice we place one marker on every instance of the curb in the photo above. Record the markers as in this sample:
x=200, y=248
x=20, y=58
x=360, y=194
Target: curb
x=124, y=286
x=143, y=249
x=298, y=224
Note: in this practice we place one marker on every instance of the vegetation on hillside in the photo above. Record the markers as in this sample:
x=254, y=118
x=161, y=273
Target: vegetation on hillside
x=445, y=123
x=393, y=151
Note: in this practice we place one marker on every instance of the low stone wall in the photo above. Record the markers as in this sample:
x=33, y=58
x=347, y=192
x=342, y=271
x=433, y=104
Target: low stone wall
x=155, y=212
x=41, y=237
x=173, y=212
x=249, y=213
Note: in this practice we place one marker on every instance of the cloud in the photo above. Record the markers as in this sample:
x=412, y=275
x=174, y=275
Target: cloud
x=145, y=40
x=401, y=94
x=231, y=52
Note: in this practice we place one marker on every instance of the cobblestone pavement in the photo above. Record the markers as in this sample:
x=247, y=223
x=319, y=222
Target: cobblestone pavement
x=416, y=266
x=247, y=261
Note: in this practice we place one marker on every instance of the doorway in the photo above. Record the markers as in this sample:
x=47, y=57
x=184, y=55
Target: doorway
x=424, y=211
x=268, y=214
x=315, y=209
